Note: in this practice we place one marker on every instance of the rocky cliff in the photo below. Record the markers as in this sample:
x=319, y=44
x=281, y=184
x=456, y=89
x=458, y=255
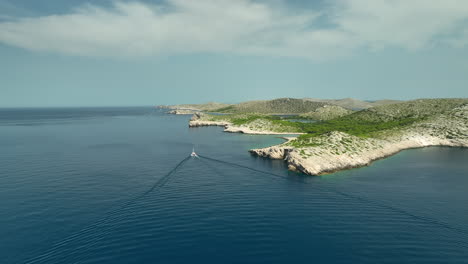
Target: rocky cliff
x=335, y=151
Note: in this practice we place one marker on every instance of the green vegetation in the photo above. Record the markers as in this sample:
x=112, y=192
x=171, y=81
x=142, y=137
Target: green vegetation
x=304, y=142
x=411, y=109
x=353, y=127
x=281, y=105
x=345, y=124
x=372, y=122
x=245, y=119
x=226, y=109
x=369, y=123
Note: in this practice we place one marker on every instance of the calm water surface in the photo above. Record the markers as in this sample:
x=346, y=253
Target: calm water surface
x=66, y=176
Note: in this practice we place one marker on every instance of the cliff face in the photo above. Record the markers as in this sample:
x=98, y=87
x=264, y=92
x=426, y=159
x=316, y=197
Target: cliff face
x=330, y=158
x=337, y=150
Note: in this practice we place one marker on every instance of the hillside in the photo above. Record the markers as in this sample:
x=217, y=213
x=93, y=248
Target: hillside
x=360, y=138
x=282, y=106
x=326, y=112
x=211, y=106
x=355, y=139
x=415, y=109
x=354, y=104
x=364, y=123
x=276, y=106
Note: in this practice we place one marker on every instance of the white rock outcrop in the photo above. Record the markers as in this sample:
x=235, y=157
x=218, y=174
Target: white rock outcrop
x=182, y=112
x=255, y=128
x=336, y=151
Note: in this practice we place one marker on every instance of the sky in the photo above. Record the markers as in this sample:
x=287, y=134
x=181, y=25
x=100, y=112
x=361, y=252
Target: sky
x=152, y=52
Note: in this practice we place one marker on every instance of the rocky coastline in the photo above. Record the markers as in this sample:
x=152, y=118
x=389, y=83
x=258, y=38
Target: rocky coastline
x=229, y=127
x=326, y=159
x=183, y=112
x=335, y=151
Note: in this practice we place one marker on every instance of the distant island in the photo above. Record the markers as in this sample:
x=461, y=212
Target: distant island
x=338, y=134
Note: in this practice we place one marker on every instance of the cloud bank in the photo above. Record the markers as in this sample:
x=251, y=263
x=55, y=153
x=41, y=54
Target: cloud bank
x=249, y=27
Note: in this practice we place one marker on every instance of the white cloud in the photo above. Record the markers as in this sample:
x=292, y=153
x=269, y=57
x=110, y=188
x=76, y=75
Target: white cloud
x=412, y=24
x=238, y=26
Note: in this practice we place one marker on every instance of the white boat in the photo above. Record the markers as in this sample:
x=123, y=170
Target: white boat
x=193, y=153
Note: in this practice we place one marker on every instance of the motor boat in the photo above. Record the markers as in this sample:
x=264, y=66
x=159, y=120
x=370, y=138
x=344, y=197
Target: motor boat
x=193, y=153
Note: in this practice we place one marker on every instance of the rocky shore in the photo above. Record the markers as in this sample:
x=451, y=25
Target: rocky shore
x=331, y=158
x=337, y=151
x=196, y=121
x=334, y=151
x=199, y=123
x=182, y=112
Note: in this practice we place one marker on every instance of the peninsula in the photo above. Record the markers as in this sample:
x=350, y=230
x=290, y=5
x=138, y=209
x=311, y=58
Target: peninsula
x=333, y=137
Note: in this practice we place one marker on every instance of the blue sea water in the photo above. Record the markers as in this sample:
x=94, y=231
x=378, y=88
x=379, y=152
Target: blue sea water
x=72, y=179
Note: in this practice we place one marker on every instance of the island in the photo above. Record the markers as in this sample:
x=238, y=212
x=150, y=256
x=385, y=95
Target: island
x=333, y=136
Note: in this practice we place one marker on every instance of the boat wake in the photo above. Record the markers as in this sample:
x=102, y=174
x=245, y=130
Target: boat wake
x=90, y=235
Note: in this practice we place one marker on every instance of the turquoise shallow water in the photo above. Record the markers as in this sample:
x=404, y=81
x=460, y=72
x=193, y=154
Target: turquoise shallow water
x=66, y=175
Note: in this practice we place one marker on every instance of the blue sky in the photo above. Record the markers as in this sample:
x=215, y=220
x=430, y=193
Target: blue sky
x=72, y=53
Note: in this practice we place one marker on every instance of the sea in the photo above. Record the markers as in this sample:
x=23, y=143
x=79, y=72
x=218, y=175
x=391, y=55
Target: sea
x=117, y=185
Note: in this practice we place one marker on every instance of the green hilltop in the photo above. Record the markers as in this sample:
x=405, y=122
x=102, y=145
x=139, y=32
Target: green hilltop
x=354, y=104
x=364, y=123
x=375, y=121
x=340, y=139
x=419, y=108
x=286, y=106
x=276, y=106
x=209, y=107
